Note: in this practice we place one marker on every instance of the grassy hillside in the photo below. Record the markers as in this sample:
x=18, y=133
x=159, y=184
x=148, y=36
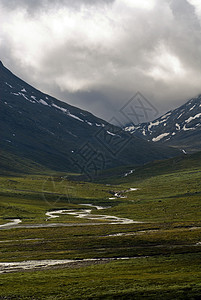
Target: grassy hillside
x=177, y=164
x=11, y=164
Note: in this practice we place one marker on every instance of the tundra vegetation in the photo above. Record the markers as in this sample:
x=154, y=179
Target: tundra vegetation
x=161, y=250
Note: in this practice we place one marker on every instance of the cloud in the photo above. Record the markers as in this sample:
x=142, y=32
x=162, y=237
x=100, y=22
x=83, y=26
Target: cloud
x=33, y=6
x=97, y=54
x=197, y=6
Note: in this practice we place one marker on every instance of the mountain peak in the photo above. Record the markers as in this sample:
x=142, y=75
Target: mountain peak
x=180, y=128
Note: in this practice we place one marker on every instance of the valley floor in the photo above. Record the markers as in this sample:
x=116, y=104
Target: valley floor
x=145, y=242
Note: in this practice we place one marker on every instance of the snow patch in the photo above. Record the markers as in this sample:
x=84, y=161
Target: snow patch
x=161, y=136
x=193, y=118
x=129, y=173
x=113, y=134
x=88, y=123
x=187, y=129
x=60, y=108
x=21, y=94
x=33, y=97
x=75, y=117
x=192, y=107
x=130, y=128
x=8, y=85
x=67, y=112
x=166, y=115
x=177, y=126
x=153, y=124
x=43, y=102
x=180, y=115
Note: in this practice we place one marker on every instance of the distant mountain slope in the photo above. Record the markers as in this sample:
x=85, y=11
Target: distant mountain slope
x=11, y=164
x=180, y=127
x=190, y=163
x=62, y=137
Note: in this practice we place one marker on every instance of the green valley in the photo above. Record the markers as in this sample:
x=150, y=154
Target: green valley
x=157, y=255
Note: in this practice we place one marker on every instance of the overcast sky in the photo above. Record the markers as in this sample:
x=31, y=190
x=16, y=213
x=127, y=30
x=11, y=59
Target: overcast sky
x=97, y=54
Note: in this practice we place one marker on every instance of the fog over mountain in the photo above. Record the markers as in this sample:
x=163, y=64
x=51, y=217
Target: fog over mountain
x=98, y=54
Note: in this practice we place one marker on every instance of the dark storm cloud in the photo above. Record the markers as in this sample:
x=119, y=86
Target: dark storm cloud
x=97, y=54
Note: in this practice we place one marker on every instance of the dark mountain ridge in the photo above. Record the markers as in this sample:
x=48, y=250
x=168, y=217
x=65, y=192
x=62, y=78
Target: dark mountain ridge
x=180, y=128
x=62, y=137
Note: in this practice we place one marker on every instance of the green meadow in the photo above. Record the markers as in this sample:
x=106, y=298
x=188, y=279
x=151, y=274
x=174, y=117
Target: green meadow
x=164, y=247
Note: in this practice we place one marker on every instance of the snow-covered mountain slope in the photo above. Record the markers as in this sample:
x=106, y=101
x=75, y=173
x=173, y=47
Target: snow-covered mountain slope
x=56, y=135
x=180, y=127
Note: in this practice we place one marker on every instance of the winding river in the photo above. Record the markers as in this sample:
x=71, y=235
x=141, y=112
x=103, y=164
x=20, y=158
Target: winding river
x=12, y=223
x=87, y=214
x=7, y=267
x=83, y=213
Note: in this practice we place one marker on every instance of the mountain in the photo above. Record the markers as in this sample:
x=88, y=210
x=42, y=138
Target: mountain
x=58, y=136
x=11, y=164
x=180, y=128
x=188, y=163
